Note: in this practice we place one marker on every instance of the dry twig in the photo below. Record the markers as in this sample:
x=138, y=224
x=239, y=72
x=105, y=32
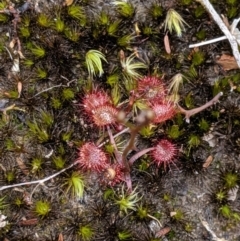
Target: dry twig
x=230, y=36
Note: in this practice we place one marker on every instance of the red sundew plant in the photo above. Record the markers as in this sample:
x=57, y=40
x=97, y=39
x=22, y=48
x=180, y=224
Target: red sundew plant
x=105, y=115
x=151, y=87
x=164, y=153
x=95, y=99
x=157, y=109
x=163, y=110
x=92, y=158
x=99, y=107
x=114, y=174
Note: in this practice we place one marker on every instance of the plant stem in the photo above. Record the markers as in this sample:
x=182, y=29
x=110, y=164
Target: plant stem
x=189, y=113
x=114, y=136
x=139, y=154
x=112, y=141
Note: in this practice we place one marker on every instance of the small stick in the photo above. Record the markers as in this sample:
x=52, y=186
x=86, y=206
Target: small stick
x=152, y=217
x=207, y=42
x=206, y=225
x=55, y=86
x=189, y=113
x=38, y=181
x=9, y=53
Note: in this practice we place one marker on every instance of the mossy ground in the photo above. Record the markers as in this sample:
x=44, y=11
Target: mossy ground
x=49, y=125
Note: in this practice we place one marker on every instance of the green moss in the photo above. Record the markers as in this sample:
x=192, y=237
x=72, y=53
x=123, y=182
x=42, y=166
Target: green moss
x=66, y=136
x=3, y=204
x=230, y=179
x=148, y=31
x=36, y=164
x=113, y=27
x=113, y=79
x=38, y=131
x=10, y=176
x=186, y=2
x=77, y=12
x=44, y=20
x=178, y=215
x=72, y=34
x=61, y=150
x=232, y=12
x=3, y=5
x=220, y=196
x=148, y=130
x=75, y=184
x=217, y=87
x=194, y=141
x=59, y=25
x=189, y=101
x=3, y=18
x=56, y=103
x=174, y=132
x=231, y=2
x=124, y=41
x=9, y=144
x=188, y=227
x=236, y=216
x=94, y=60
x=198, y=58
x=225, y=211
x=174, y=22
x=167, y=197
x=201, y=34
x=144, y=165
x=108, y=194
x=103, y=19
x=18, y=202
x=13, y=94
x=28, y=63
x=41, y=73
x=142, y=212
x=156, y=11
x=86, y=232
x=25, y=32
x=124, y=235
x=109, y=148
x=125, y=9
x=199, y=11
x=68, y=94
x=42, y=208
x=25, y=21
x=59, y=162
x=203, y=125
x=38, y=51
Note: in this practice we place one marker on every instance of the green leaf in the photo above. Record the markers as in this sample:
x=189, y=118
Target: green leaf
x=94, y=62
